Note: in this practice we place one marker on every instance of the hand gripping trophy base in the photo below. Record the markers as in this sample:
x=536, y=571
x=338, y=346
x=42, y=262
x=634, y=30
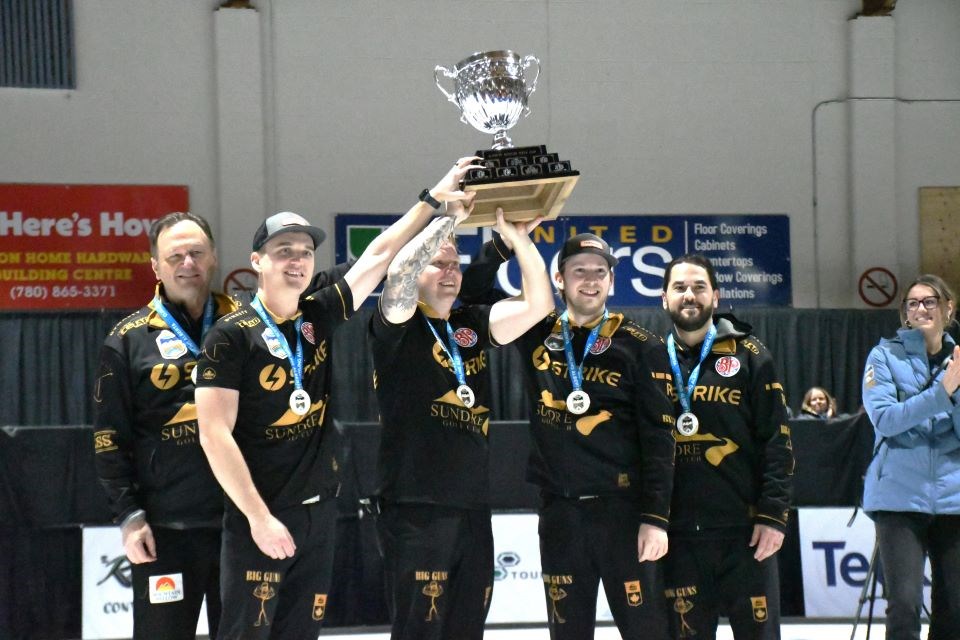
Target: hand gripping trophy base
x=526, y=182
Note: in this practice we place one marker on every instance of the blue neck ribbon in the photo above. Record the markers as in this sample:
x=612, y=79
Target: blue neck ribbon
x=575, y=370
x=685, y=392
x=184, y=337
x=296, y=359
x=453, y=352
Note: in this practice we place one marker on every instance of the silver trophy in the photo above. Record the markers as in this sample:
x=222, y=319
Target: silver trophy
x=491, y=91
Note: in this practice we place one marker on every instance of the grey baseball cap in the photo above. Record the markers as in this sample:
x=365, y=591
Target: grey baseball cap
x=286, y=222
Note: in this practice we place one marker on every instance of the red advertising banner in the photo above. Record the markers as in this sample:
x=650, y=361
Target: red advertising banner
x=65, y=246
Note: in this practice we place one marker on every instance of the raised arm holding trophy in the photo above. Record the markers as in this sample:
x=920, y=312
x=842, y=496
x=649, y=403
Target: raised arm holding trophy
x=490, y=89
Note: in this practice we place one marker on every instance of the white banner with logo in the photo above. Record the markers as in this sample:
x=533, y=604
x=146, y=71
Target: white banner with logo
x=835, y=562
x=518, y=582
x=107, y=610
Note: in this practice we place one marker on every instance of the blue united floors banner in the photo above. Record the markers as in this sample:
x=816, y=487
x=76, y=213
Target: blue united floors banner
x=751, y=253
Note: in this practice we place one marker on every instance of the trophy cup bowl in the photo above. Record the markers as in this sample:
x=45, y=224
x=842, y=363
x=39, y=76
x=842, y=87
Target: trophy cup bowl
x=491, y=91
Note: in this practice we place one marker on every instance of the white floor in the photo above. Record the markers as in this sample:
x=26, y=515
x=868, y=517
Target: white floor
x=789, y=631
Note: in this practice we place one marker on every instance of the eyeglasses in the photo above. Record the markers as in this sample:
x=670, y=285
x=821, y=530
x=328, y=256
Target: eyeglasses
x=929, y=303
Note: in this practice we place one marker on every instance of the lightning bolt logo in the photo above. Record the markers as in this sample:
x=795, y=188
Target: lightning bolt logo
x=440, y=356
x=541, y=358
x=273, y=377
x=165, y=376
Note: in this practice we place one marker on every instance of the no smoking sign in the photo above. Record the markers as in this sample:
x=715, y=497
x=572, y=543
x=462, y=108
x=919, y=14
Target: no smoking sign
x=878, y=287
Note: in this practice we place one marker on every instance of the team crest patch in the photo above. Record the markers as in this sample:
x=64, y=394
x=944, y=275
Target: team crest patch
x=602, y=344
x=727, y=366
x=554, y=342
x=465, y=337
x=171, y=347
x=276, y=349
x=307, y=330
x=869, y=377
x=759, y=608
x=634, y=593
x=166, y=588
x=319, y=605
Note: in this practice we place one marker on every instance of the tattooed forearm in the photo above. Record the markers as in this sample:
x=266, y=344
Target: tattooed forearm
x=400, y=289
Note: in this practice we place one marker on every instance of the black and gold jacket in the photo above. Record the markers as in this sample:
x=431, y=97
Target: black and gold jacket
x=146, y=440
x=290, y=457
x=737, y=469
x=623, y=445
x=433, y=448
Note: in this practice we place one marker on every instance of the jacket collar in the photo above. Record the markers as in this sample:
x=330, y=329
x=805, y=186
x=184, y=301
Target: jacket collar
x=914, y=343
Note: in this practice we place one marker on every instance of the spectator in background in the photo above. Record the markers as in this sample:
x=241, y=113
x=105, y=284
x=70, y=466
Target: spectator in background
x=912, y=487
x=817, y=404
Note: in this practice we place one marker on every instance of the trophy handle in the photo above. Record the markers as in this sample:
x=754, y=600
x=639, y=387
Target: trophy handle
x=526, y=62
x=449, y=74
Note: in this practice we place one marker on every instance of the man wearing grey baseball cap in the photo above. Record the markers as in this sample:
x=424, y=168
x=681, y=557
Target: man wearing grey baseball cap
x=286, y=222
x=263, y=390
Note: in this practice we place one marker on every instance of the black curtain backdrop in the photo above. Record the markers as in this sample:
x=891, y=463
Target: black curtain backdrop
x=47, y=485
x=49, y=361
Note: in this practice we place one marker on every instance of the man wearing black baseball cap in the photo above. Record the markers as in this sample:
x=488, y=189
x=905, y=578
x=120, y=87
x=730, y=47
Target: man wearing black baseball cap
x=602, y=450
x=263, y=390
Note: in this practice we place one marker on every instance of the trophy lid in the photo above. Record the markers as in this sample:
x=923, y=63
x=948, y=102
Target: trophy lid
x=477, y=56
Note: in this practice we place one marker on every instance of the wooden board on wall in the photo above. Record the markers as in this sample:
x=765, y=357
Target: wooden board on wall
x=940, y=233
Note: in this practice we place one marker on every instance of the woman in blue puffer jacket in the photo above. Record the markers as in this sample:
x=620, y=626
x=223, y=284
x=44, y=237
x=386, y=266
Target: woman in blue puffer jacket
x=912, y=488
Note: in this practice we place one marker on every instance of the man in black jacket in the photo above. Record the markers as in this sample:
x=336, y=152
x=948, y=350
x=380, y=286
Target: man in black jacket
x=602, y=447
x=148, y=455
x=734, y=462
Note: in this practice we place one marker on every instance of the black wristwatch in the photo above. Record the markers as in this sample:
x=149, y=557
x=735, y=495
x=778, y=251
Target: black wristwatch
x=429, y=199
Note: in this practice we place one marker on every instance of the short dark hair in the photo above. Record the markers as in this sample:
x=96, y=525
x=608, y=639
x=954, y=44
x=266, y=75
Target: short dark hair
x=942, y=289
x=172, y=218
x=696, y=259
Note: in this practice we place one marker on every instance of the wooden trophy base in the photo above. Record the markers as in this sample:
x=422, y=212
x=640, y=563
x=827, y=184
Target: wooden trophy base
x=526, y=182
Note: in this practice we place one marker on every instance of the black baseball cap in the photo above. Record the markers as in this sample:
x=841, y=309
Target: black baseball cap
x=286, y=222
x=586, y=243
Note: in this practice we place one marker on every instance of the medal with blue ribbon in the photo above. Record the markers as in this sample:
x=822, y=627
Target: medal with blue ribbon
x=299, y=399
x=578, y=400
x=687, y=423
x=464, y=392
x=182, y=335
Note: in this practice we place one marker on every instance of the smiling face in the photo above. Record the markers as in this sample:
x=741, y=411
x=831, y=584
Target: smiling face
x=285, y=262
x=818, y=401
x=585, y=280
x=930, y=321
x=439, y=284
x=689, y=297
x=185, y=262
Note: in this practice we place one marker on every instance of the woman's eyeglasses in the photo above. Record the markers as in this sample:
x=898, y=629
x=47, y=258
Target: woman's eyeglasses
x=929, y=303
